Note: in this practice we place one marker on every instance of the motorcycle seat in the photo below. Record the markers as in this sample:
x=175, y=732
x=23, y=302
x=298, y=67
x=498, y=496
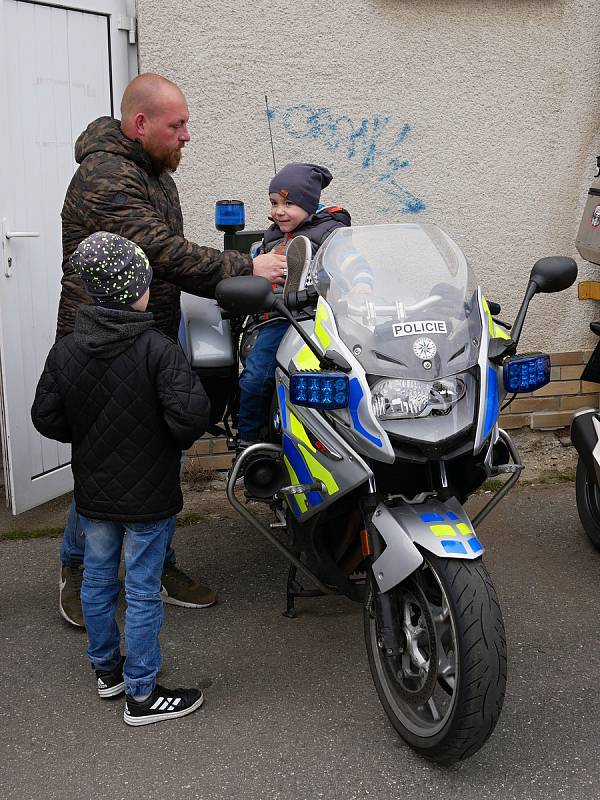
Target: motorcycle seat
x=595, y=328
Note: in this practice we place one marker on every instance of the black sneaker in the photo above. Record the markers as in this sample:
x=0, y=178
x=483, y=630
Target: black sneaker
x=162, y=704
x=111, y=684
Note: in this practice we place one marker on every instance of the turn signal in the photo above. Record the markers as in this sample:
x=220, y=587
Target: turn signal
x=526, y=373
x=365, y=543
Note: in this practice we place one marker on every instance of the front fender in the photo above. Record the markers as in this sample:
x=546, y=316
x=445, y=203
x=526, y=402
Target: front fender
x=443, y=529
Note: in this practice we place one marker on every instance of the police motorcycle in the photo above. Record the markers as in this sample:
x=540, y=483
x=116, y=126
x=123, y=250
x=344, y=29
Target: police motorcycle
x=385, y=421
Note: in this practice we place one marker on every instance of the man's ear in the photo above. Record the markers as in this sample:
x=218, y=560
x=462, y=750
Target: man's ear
x=140, y=122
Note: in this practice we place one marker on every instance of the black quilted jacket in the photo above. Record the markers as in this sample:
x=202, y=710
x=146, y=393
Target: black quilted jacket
x=126, y=397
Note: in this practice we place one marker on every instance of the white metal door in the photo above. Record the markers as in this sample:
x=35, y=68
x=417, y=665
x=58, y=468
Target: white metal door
x=60, y=68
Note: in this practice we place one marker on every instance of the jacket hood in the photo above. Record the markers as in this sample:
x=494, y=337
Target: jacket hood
x=105, y=135
x=330, y=213
x=106, y=332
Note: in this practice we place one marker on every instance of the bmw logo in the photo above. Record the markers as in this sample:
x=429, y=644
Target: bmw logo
x=424, y=348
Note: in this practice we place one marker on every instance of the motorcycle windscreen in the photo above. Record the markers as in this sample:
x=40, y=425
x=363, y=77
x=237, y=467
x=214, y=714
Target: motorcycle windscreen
x=404, y=299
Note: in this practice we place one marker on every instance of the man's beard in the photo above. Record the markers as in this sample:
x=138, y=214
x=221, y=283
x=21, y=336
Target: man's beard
x=170, y=161
x=166, y=161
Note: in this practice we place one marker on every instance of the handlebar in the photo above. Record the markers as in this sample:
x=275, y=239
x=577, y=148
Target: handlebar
x=375, y=309
x=303, y=298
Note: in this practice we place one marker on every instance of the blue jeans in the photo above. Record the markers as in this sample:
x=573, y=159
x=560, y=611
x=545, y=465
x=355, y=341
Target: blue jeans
x=71, y=549
x=257, y=381
x=144, y=547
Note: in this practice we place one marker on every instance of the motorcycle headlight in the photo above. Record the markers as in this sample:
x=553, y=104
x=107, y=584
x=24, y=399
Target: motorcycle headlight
x=402, y=398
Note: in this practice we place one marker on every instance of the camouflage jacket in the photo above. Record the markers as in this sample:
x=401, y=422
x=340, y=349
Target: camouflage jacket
x=117, y=189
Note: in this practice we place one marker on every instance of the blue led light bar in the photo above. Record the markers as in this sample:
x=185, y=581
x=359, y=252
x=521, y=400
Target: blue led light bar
x=321, y=390
x=526, y=373
x=230, y=216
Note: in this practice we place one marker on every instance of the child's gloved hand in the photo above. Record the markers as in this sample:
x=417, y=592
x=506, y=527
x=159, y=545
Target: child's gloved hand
x=271, y=266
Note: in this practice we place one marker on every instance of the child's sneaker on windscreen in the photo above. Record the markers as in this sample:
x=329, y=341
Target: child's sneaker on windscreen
x=163, y=704
x=298, y=257
x=111, y=684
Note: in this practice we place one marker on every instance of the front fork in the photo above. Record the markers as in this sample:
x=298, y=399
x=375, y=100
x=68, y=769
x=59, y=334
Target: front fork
x=390, y=638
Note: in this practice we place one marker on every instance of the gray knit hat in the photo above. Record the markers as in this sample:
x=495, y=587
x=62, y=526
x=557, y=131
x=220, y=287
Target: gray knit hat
x=301, y=184
x=113, y=269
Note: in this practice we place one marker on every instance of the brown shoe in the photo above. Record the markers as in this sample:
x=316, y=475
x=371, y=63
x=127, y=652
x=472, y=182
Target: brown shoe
x=179, y=589
x=69, y=602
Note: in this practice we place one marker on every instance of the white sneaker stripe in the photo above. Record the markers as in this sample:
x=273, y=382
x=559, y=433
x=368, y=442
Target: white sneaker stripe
x=165, y=706
x=158, y=703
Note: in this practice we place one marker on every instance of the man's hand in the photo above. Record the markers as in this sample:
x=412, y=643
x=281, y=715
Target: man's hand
x=271, y=266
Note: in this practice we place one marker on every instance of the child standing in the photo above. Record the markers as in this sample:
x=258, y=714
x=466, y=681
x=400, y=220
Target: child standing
x=126, y=398
x=294, y=193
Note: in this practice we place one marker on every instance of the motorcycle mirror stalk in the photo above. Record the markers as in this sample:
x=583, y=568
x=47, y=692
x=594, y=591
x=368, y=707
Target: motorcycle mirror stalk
x=551, y=274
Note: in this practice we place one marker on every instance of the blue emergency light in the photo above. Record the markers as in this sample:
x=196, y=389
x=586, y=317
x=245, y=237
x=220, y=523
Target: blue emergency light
x=324, y=391
x=526, y=373
x=229, y=216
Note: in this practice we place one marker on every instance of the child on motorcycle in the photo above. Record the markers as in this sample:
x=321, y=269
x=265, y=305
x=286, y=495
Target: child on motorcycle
x=294, y=193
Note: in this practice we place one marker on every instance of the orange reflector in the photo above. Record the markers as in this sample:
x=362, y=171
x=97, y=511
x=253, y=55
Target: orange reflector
x=365, y=543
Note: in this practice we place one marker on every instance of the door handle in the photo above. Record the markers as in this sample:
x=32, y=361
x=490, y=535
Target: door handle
x=21, y=234
x=5, y=238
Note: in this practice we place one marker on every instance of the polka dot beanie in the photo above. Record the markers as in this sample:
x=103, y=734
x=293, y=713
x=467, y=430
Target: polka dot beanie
x=113, y=269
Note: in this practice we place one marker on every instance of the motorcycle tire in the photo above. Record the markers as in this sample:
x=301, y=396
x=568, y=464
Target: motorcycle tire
x=449, y=618
x=587, y=494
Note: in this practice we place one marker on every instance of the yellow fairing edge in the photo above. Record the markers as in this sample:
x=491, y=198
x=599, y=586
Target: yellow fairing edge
x=318, y=471
x=496, y=331
x=486, y=308
x=306, y=359
x=298, y=430
x=300, y=498
x=322, y=335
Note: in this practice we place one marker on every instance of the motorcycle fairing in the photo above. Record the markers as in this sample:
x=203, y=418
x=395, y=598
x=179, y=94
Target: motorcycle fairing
x=357, y=423
x=441, y=528
x=336, y=466
x=367, y=432
x=490, y=381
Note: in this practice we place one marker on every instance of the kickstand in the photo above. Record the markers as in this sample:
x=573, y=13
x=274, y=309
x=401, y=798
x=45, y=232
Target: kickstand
x=292, y=590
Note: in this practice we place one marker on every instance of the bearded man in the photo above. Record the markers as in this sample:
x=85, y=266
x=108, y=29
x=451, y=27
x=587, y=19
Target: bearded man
x=124, y=186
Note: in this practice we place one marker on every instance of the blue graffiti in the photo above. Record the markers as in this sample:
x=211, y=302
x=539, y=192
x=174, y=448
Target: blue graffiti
x=372, y=144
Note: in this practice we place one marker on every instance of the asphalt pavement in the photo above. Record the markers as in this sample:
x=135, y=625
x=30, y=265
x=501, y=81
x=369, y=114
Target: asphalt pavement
x=291, y=711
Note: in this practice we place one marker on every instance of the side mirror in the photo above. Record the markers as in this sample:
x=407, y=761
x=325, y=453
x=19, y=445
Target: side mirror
x=245, y=294
x=553, y=274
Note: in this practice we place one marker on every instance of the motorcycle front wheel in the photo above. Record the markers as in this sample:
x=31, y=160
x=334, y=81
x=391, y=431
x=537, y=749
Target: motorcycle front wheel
x=444, y=692
x=587, y=495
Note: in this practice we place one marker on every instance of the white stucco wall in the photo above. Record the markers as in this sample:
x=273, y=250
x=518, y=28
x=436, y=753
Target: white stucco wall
x=481, y=116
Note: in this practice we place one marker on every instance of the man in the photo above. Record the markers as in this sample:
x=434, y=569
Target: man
x=123, y=185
